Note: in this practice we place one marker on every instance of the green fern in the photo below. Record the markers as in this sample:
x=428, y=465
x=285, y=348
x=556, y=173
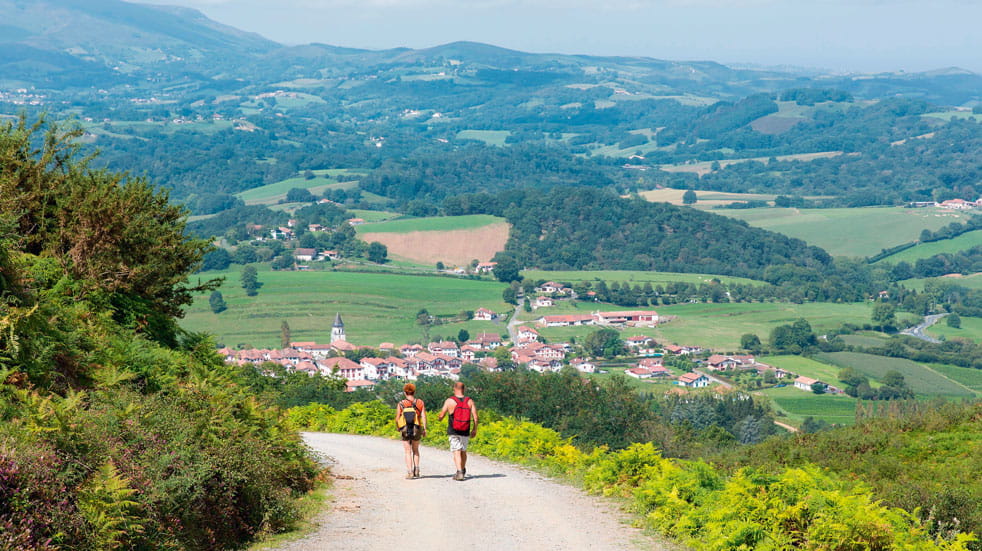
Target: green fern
x=110, y=513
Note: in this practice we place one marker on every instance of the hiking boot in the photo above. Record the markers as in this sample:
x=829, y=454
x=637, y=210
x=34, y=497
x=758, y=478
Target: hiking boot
x=459, y=475
x=409, y=475
x=464, y=472
x=416, y=472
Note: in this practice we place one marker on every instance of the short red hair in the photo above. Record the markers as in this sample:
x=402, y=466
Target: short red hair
x=409, y=388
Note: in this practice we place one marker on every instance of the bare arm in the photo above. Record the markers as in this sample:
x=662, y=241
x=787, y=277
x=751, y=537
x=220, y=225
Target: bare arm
x=445, y=410
x=473, y=418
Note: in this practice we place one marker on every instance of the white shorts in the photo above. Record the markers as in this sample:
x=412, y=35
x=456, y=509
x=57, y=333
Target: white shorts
x=458, y=442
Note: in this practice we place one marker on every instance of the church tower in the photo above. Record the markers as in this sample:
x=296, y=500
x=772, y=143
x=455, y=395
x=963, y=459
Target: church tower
x=337, y=330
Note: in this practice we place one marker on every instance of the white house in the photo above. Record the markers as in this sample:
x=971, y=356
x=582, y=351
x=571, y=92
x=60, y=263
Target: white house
x=694, y=380
x=483, y=314
x=805, y=383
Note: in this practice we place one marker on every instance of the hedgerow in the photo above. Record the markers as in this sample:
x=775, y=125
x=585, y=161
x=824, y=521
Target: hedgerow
x=692, y=501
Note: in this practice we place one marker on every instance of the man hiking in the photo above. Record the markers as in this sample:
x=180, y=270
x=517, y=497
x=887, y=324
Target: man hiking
x=462, y=426
x=411, y=422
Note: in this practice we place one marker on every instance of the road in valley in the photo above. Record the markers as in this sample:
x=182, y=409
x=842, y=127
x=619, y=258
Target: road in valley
x=499, y=507
x=918, y=330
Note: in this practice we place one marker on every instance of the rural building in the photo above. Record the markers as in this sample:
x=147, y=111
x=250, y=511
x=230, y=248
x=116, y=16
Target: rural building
x=583, y=365
x=359, y=385
x=566, y=320
x=483, y=314
x=447, y=348
x=485, y=267
x=682, y=350
x=527, y=334
x=806, y=383
x=637, y=318
x=356, y=221
x=544, y=302
x=639, y=373
x=693, y=380
x=957, y=204
x=486, y=341
x=305, y=255
x=552, y=287
x=638, y=341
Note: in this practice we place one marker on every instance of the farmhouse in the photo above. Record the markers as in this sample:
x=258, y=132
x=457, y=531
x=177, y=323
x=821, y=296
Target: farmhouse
x=410, y=350
x=544, y=302
x=527, y=334
x=485, y=267
x=566, y=320
x=682, y=350
x=639, y=373
x=486, y=341
x=483, y=314
x=583, y=365
x=806, y=383
x=693, y=380
x=305, y=255
x=637, y=342
x=359, y=385
x=552, y=287
x=957, y=204
x=447, y=348
x=356, y=221
x=637, y=318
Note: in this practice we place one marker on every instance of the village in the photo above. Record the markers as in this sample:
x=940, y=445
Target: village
x=525, y=349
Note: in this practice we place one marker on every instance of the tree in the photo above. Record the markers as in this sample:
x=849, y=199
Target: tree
x=250, y=280
x=299, y=195
x=285, y=337
x=509, y=295
x=507, y=269
x=954, y=321
x=440, y=266
x=750, y=342
x=283, y=262
x=884, y=315
x=218, y=259
x=217, y=302
x=377, y=252
x=811, y=425
x=819, y=388
x=604, y=342
x=689, y=197
x=463, y=335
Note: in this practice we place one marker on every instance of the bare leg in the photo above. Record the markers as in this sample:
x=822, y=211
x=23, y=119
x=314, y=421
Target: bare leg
x=415, y=456
x=463, y=461
x=458, y=461
x=407, y=446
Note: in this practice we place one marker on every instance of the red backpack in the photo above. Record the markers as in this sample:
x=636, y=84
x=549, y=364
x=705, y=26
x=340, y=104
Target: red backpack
x=462, y=415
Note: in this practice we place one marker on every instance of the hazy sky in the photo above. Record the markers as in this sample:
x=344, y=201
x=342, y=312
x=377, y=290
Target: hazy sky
x=851, y=35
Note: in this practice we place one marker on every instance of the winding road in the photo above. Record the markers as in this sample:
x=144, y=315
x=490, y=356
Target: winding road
x=499, y=507
x=918, y=330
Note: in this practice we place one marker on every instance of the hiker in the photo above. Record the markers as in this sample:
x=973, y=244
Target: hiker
x=411, y=422
x=462, y=426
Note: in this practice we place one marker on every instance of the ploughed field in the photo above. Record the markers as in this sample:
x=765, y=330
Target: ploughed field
x=453, y=240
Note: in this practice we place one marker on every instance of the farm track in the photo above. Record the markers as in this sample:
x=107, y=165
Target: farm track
x=499, y=506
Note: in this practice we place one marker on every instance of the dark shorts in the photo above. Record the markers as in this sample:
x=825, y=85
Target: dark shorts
x=416, y=436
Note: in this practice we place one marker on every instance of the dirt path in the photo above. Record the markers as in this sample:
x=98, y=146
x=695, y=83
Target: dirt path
x=499, y=507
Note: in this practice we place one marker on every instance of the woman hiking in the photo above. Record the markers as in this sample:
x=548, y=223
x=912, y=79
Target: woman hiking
x=411, y=422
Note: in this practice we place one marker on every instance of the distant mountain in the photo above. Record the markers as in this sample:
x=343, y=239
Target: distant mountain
x=67, y=43
x=52, y=40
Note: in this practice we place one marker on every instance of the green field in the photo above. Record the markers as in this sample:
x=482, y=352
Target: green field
x=717, y=326
x=655, y=278
x=922, y=379
x=490, y=137
x=971, y=329
x=970, y=377
x=370, y=216
x=798, y=404
x=800, y=365
x=865, y=339
x=376, y=307
x=973, y=281
x=849, y=232
x=436, y=223
x=273, y=193
x=963, y=242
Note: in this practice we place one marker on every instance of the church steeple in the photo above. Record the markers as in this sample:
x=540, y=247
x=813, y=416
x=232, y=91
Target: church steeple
x=337, y=330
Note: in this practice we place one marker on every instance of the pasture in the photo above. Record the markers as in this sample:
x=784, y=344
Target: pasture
x=705, y=199
x=922, y=379
x=800, y=365
x=453, y=240
x=273, y=193
x=857, y=232
x=376, y=307
x=797, y=404
x=490, y=137
x=963, y=242
x=705, y=167
x=716, y=326
x=632, y=277
x=970, y=377
x=971, y=329
x=971, y=281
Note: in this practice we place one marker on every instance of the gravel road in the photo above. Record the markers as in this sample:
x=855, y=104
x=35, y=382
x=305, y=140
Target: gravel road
x=499, y=507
